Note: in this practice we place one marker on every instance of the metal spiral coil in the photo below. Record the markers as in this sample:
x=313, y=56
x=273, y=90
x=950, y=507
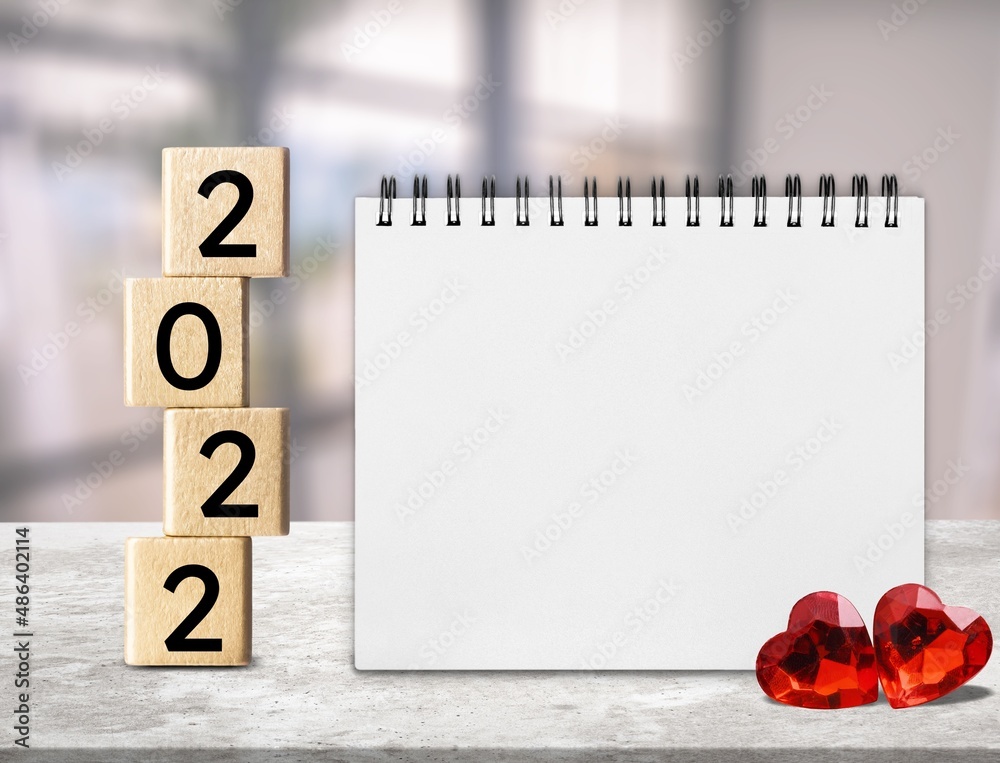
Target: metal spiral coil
x=890, y=189
x=859, y=190
x=828, y=190
x=526, y=220
x=625, y=203
x=659, y=212
x=658, y=196
x=386, y=194
x=693, y=202
x=419, y=201
x=589, y=220
x=758, y=189
x=555, y=201
x=490, y=194
x=793, y=191
x=726, y=207
x=454, y=198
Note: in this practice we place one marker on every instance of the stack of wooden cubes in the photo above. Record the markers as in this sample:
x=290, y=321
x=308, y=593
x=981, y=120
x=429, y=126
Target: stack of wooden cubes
x=225, y=476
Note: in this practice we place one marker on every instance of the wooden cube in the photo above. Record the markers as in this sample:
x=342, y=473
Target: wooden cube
x=225, y=212
x=187, y=601
x=186, y=342
x=225, y=471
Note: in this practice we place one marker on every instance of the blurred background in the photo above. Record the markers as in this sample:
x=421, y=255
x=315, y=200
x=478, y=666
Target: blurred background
x=91, y=91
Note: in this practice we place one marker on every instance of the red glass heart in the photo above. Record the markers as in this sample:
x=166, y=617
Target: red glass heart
x=924, y=649
x=824, y=660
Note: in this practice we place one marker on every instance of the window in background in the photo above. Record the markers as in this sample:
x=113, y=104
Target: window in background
x=356, y=90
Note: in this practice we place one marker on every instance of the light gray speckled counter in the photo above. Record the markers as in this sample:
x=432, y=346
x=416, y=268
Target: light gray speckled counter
x=302, y=694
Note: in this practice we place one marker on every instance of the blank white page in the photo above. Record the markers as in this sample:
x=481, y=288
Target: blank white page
x=629, y=447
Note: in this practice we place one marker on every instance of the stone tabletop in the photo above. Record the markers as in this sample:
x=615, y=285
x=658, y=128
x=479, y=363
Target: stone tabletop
x=302, y=699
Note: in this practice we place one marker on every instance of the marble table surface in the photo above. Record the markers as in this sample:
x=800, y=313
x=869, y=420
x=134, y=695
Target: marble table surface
x=302, y=699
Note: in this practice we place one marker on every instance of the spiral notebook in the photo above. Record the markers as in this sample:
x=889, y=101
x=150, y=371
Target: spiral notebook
x=630, y=431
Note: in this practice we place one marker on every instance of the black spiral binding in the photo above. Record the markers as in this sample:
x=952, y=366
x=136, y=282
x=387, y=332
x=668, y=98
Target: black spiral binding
x=454, y=196
x=693, y=202
x=419, y=201
x=828, y=191
x=589, y=220
x=859, y=189
x=555, y=219
x=890, y=189
x=758, y=189
x=659, y=214
x=793, y=191
x=522, y=220
x=490, y=191
x=385, y=197
x=726, y=208
x=624, y=202
x=658, y=193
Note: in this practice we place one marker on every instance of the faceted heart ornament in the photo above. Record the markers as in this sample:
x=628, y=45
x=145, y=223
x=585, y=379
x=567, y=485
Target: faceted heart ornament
x=924, y=649
x=824, y=660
